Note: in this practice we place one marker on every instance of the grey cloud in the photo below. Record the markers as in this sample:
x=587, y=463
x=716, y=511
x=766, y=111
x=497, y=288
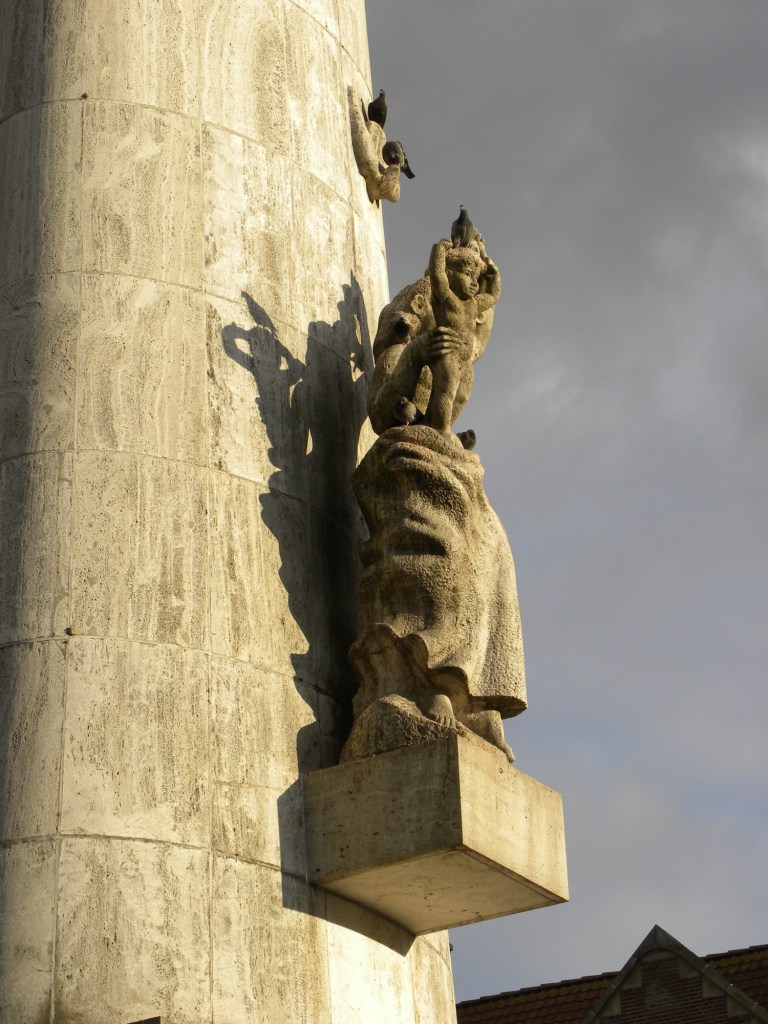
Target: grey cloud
x=615, y=155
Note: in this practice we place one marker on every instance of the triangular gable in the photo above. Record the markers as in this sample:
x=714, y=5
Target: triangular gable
x=656, y=944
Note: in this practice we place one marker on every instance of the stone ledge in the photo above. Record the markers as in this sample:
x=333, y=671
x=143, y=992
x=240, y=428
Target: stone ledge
x=436, y=836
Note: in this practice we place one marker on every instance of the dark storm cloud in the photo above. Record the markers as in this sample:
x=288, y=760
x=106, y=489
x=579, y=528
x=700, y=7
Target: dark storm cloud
x=615, y=156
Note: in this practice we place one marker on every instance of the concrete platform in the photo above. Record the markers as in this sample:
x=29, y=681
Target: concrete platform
x=436, y=836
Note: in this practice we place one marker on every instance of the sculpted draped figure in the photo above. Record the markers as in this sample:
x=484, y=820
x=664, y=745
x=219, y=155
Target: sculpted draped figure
x=440, y=647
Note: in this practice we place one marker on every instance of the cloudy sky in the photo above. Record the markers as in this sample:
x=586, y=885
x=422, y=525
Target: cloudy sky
x=614, y=153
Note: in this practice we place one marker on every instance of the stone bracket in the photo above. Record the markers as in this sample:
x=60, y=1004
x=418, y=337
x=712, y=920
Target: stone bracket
x=436, y=836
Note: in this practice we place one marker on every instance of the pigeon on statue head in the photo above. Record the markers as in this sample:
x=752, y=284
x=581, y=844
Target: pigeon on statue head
x=463, y=231
x=377, y=109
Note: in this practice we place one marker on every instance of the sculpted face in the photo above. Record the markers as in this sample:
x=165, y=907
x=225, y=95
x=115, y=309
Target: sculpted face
x=463, y=282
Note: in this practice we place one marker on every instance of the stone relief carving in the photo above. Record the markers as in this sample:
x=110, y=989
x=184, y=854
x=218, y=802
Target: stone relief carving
x=380, y=162
x=440, y=649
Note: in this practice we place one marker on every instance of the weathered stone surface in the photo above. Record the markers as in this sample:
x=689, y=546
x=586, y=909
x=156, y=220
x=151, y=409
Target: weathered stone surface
x=433, y=998
x=256, y=717
x=132, y=932
x=248, y=222
x=471, y=839
x=274, y=398
x=35, y=510
x=316, y=103
x=250, y=614
x=271, y=962
x=381, y=976
x=140, y=549
x=40, y=204
x=323, y=236
x=244, y=70
x=136, y=742
x=32, y=680
x=39, y=324
x=354, y=38
x=259, y=825
x=142, y=194
x=323, y=12
x=27, y=896
x=143, y=52
x=41, y=53
x=266, y=729
x=369, y=255
x=269, y=616
x=135, y=398
x=255, y=428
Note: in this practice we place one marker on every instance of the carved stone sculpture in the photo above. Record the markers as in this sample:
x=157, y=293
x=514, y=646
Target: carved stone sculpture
x=382, y=178
x=440, y=650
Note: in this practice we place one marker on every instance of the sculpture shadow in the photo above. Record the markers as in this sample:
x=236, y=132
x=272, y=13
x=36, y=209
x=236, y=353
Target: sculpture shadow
x=312, y=410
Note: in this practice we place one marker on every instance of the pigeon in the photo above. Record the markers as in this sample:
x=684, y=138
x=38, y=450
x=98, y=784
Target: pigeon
x=394, y=154
x=462, y=229
x=406, y=412
x=468, y=439
x=377, y=109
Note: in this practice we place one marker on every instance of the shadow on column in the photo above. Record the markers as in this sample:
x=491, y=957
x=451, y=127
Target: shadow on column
x=313, y=411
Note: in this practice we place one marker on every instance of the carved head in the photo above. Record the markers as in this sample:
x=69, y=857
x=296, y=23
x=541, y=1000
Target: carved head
x=464, y=267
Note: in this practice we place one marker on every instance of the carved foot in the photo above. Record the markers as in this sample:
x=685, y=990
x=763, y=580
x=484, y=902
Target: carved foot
x=440, y=710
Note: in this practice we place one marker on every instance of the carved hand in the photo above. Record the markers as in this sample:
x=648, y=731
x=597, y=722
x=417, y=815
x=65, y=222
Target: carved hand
x=440, y=341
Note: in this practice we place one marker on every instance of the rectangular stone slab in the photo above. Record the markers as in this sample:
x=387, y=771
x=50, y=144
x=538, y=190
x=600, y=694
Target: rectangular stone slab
x=436, y=836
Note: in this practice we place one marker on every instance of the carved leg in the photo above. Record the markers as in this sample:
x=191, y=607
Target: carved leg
x=446, y=374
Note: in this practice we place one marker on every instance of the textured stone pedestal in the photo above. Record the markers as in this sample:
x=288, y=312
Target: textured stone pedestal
x=436, y=836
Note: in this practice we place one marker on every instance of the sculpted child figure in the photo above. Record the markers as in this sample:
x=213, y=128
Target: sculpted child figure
x=430, y=336
x=464, y=287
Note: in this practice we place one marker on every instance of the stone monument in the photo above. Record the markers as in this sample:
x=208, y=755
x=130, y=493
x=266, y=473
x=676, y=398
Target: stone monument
x=191, y=259
x=425, y=820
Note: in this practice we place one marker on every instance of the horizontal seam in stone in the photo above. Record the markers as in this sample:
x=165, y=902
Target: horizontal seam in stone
x=201, y=289
x=259, y=485
x=41, y=274
x=40, y=103
x=283, y=156
x=210, y=655
x=267, y=488
x=193, y=120
x=85, y=836
x=291, y=327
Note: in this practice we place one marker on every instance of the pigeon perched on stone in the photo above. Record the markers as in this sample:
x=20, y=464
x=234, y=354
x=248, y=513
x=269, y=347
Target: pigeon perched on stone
x=406, y=412
x=468, y=439
x=377, y=109
x=462, y=229
x=394, y=154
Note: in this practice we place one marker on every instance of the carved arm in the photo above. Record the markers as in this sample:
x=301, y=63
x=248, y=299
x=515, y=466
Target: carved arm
x=437, y=275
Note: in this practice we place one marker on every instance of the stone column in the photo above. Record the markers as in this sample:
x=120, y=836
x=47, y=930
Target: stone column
x=189, y=279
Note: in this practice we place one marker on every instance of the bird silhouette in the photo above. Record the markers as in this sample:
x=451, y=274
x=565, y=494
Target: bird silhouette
x=394, y=155
x=468, y=439
x=406, y=412
x=462, y=229
x=377, y=109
